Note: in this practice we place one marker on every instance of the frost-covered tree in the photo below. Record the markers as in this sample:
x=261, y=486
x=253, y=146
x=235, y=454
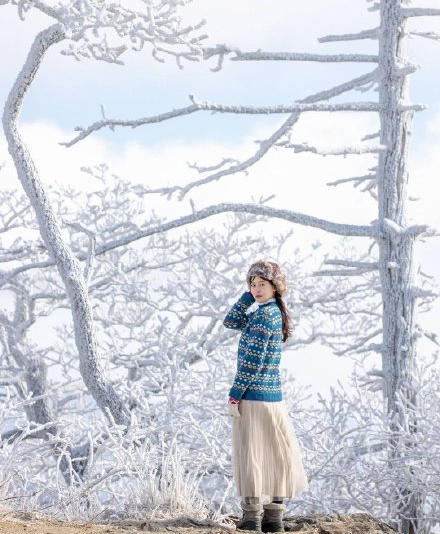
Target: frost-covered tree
x=158, y=312
x=393, y=329
x=103, y=31
x=349, y=463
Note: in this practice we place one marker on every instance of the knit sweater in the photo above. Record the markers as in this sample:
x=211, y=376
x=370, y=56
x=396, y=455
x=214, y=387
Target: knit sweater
x=259, y=350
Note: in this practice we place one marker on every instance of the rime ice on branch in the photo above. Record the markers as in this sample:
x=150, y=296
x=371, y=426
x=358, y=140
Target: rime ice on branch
x=386, y=183
x=89, y=27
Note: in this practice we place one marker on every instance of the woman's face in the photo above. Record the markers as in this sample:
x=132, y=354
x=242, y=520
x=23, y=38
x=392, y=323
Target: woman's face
x=261, y=289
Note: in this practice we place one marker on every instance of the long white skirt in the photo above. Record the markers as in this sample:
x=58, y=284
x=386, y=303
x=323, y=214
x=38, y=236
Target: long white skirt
x=266, y=459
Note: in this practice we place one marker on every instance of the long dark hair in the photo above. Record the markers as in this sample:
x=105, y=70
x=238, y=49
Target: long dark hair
x=287, y=321
x=271, y=272
x=287, y=326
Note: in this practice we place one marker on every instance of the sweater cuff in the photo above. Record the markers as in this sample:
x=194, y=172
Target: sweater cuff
x=236, y=393
x=247, y=298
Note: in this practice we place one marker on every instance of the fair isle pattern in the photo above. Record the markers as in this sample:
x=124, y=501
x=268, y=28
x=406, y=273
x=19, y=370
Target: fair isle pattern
x=259, y=350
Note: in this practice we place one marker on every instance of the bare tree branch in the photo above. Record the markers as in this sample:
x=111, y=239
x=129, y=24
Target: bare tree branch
x=223, y=50
x=408, y=12
x=238, y=109
x=366, y=34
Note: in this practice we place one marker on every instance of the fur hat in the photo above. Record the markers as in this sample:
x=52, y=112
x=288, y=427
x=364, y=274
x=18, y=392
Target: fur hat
x=269, y=270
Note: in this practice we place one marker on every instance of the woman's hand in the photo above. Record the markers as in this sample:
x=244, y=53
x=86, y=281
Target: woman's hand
x=233, y=405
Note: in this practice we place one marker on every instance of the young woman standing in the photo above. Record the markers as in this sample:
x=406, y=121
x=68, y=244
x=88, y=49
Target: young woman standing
x=265, y=457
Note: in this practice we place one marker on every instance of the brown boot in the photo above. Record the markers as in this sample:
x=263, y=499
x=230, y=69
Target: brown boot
x=273, y=517
x=251, y=519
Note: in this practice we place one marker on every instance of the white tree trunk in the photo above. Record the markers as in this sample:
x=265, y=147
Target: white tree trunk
x=396, y=252
x=68, y=266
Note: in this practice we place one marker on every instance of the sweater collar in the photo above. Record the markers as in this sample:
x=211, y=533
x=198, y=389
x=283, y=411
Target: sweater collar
x=267, y=301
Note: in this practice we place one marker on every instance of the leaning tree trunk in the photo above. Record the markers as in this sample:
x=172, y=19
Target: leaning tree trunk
x=68, y=266
x=396, y=262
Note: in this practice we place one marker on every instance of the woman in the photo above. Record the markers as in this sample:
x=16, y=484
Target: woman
x=266, y=460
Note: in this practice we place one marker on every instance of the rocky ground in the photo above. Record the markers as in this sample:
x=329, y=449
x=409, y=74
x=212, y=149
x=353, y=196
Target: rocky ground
x=29, y=523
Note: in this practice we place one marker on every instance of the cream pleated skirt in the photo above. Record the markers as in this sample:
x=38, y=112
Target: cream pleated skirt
x=266, y=459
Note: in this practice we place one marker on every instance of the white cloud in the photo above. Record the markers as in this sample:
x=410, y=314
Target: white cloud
x=425, y=185
x=424, y=176
x=281, y=24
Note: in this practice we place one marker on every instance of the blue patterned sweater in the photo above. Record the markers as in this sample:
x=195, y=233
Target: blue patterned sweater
x=259, y=350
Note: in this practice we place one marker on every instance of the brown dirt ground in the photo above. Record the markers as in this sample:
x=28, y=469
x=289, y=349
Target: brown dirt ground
x=33, y=523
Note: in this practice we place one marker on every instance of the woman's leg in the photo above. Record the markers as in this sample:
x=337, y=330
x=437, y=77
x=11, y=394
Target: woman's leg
x=251, y=519
x=272, y=520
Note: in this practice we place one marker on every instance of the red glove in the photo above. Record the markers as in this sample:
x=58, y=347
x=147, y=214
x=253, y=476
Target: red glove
x=231, y=400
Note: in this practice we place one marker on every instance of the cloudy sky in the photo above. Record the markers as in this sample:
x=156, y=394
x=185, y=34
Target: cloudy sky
x=67, y=93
